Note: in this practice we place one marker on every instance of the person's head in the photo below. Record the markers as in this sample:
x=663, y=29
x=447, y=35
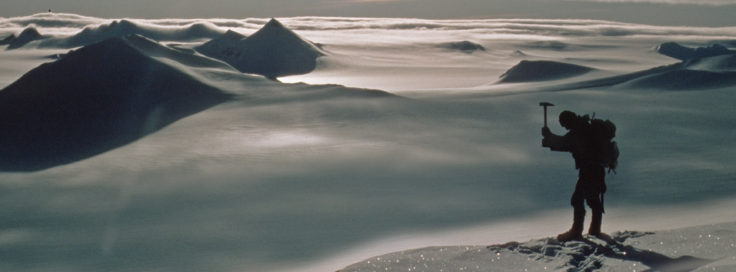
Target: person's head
x=568, y=119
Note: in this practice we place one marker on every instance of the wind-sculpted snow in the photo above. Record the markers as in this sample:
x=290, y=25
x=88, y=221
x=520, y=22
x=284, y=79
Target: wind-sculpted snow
x=273, y=51
x=94, y=99
x=527, y=71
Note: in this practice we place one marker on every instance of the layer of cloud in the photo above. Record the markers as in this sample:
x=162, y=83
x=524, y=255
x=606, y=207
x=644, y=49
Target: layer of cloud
x=671, y=2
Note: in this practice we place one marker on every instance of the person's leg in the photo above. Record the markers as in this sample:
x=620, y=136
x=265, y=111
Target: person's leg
x=593, y=192
x=595, y=223
x=576, y=231
x=596, y=206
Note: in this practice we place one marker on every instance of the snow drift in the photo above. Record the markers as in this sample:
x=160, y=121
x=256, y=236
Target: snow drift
x=541, y=70
x=94, y=99
x=273, y=51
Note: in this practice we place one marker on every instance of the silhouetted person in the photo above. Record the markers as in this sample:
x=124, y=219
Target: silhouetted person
x=591, y=184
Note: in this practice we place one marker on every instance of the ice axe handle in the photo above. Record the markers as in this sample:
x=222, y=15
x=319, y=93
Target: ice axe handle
x=545, y=105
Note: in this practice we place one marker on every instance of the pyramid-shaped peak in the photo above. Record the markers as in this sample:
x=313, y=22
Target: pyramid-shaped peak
x=273, y=51
x=275, y=32
x=274, y=23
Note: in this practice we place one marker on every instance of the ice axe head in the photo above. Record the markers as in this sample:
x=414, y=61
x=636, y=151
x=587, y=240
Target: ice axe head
x=545, y=105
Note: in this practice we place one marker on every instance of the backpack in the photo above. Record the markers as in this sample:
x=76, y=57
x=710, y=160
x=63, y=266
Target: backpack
x=602, y=133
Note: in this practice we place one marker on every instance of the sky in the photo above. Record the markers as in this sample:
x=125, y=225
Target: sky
x=655, y=12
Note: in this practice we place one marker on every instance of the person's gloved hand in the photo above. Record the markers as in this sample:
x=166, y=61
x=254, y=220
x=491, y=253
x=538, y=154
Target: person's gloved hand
x=546, y=132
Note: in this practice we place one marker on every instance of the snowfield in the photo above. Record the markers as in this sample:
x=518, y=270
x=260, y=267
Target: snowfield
x=189, y=145
x=703, y=248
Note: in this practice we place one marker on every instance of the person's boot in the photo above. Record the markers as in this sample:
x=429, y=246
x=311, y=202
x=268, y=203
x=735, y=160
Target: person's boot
x=576, y=231
x=595, y=224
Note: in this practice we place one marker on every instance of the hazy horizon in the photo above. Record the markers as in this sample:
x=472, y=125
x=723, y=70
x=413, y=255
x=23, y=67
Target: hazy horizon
x=714, y=13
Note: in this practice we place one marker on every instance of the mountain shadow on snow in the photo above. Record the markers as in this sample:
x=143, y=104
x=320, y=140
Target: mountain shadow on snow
x=273, y=51
x=94, y=99
x=542, y=70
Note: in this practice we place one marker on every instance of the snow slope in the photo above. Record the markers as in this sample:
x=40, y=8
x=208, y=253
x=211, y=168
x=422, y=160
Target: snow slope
x=702, y=248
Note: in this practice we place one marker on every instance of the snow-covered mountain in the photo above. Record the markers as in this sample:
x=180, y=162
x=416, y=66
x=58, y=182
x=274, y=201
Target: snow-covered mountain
x=28, y=34
x=273, y=51
x=120, y=28
x=97, y=98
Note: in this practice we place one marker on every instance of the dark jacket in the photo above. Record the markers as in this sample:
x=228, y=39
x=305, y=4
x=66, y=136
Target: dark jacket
x=576, y=141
